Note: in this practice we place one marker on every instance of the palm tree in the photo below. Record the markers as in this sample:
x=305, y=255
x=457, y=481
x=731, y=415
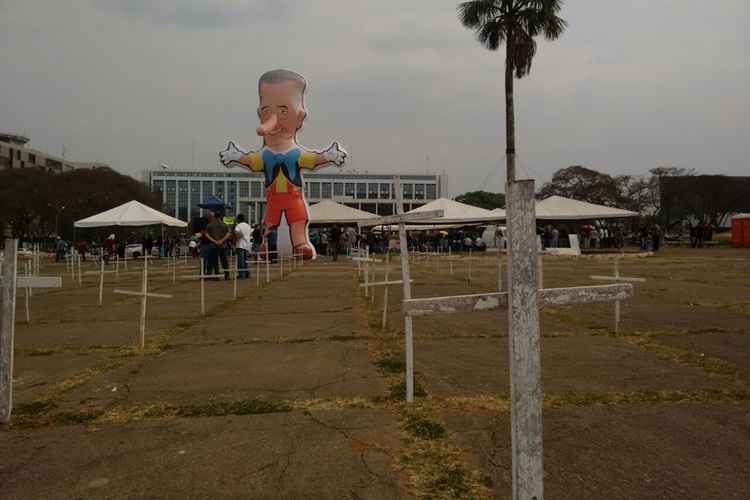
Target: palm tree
x=515, y=23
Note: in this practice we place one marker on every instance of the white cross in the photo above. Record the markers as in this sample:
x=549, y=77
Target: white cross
x=617, y=277
x=523, y=300
x=401, y=219
x=144, y=294
x=9, y=283
x=101, y=272
x=202, y=276
x=385, y=284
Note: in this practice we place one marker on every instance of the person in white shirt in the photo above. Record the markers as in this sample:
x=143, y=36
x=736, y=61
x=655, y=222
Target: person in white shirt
x=244, y=244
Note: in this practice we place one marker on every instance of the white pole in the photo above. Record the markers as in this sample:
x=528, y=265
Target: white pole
x=27, y=294
x=101, y=281
x=617, y=302
x=174, y=267
x=256, y=269
x=372, y=279
x=281, y=264
x=144, y=299
x=268, y=268
x=385, y=293
x=203, y=290
x=80, y=278
x=236, y=272
x=367, y=273
x=117, y=267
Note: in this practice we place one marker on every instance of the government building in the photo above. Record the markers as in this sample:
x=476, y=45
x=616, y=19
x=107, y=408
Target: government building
x=243, y=192
x=16, y=153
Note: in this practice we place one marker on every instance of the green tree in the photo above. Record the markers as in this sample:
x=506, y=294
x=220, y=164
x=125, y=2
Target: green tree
x=585, y=184
x=483, y=199
x=515, y=23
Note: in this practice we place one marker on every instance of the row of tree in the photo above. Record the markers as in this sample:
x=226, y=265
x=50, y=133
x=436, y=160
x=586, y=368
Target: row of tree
x=36, y=204
x=668, y=195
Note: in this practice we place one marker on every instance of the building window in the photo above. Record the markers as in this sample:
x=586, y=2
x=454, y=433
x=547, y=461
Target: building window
x=338, y=189
x=361, y=190
x=307, y=189
x=231, y=197
x=385, y=209
x=431, y=191
x=219, y=190
x=408, y=191
x=18, y=154
x=419, y=191
x=172, y=198
x=315, y=190
x=158, y=186
x=195, y=198
x=32, y=158
x=349, y=189
x=326, y=190
x=208, y=189
x=182, y=187
x=255, y=189
x=372, y=191
x=385, y=191
x=244, y=189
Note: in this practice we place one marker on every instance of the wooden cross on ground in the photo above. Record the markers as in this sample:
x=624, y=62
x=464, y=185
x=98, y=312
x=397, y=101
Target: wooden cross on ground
x=368, y=269
x=522, y=300
x=9, y=283
x=385, y=284
x=202, y=276
x=144, y=294
x=401, y=219
x=617, y=277
x=101, y=272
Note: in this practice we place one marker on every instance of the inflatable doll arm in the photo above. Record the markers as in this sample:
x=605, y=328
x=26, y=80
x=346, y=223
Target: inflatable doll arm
x=232, y=156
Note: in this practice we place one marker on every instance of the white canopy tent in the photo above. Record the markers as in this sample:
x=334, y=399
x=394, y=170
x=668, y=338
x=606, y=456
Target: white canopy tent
x=560, y=208
x=456, y=213
x=132, y=213
x=330, y=212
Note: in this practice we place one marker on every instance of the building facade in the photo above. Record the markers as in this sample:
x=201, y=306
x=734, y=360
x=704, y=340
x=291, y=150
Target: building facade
x=243, y=192
x=15, y=153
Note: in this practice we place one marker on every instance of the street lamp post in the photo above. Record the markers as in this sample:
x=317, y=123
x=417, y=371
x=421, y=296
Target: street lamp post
x=57, y=218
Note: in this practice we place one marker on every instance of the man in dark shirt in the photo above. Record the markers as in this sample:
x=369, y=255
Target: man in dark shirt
x=335, y=243
x=216, y=233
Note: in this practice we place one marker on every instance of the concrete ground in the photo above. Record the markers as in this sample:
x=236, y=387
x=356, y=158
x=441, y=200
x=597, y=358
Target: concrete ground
x=294, y=391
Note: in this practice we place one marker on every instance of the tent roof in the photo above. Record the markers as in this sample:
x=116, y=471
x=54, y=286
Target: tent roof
x=741, y=216
x=212, y=201
x=330, y=212
x=132, y=213
x=455, y=212
x=498, y=211
x=560, y=208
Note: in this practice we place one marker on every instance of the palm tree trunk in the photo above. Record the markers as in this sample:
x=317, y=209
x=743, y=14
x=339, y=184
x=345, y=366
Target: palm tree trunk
x=510, y=123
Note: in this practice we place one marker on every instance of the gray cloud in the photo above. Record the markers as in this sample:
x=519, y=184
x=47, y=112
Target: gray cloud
x=201, y=14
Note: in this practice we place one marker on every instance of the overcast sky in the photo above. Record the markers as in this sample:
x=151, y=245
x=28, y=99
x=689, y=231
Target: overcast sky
x=628, y=87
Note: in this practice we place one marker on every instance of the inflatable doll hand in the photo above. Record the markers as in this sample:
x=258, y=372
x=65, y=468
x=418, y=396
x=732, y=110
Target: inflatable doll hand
x=335, y=154
x=231, y=155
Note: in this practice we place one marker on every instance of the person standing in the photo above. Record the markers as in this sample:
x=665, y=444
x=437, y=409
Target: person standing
x=243, y=245
x=60, y=248
x=216, y=233
x=335, y=242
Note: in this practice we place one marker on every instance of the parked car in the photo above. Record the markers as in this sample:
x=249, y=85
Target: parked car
x=133, y=250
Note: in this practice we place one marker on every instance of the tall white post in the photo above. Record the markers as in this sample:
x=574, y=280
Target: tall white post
x=144, y=300
x=28, y=293
x=406, y=276
x=524, y=337
x=7, y=326
x=101, y=281
x=385, y=292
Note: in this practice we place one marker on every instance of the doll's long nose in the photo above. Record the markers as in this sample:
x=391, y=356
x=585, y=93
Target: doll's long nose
x=267, y=126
